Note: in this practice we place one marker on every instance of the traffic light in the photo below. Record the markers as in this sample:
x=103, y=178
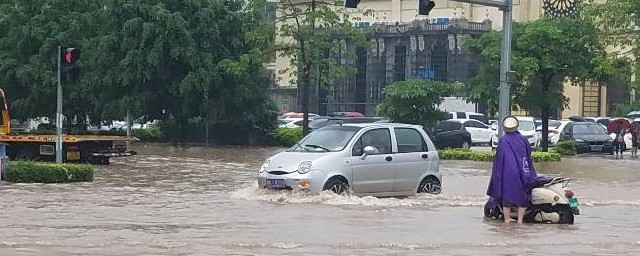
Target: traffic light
x=351, y=3
x=69, y=57
x=425, y=6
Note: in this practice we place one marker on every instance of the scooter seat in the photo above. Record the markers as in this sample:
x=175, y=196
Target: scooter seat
x=540, y=181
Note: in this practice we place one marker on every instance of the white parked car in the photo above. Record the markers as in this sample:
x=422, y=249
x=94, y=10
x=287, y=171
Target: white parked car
x=378, y=159
x=526, y=127
x=480, y=132
x=290, y=123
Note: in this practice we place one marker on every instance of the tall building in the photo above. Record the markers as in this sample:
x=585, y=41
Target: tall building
x=428, y=46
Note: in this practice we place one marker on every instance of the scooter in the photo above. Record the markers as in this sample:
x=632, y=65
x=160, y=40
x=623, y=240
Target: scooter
x=551, y=202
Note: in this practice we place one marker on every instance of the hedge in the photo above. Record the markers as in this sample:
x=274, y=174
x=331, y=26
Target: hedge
x=567, y=148
x=32, y=172
x=487, y=156
x=288, y=136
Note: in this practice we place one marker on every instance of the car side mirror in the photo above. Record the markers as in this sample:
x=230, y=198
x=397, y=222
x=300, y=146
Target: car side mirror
x=494, y=127
x=368, y=150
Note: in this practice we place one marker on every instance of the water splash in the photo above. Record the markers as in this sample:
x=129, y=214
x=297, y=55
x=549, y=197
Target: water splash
x=253, y=193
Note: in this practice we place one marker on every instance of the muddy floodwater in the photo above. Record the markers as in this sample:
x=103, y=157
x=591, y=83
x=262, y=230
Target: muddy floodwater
x=197, y=201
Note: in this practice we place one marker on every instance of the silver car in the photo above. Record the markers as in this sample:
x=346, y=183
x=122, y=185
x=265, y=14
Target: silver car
x=377, y=159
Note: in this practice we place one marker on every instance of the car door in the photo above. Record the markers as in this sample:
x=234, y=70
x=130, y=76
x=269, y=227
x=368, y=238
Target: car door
x=412, y=159
x=374, y=173
x=485, y=131
x=476, y=135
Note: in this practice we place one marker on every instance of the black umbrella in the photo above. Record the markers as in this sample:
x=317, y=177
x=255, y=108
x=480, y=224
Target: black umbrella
x=577, y=119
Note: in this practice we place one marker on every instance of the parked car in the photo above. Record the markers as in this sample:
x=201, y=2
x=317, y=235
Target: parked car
x=450, y=134
x=601, y=120
x=381, y=159
x=526, y=127
x=553, y=131
x=290, y=123
x=469, y=115
x=589, y=136
x=326, y=121
x=480, y=132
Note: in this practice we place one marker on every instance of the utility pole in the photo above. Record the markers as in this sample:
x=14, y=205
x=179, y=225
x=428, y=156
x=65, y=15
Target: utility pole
x=59, y=111
x=506, y=6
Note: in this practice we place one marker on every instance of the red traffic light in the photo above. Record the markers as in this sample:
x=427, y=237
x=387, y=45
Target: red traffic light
x=70, y=55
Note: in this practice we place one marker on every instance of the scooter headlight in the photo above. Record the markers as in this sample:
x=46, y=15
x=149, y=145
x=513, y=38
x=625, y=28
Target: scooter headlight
x=304, y=167
x=264, y=166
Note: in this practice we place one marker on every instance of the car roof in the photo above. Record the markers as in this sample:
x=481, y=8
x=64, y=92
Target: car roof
x=462, y=120
x=382, y=125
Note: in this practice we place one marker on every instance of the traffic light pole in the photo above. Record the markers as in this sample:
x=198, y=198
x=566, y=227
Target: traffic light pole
x=506, y=6
x=59, y=111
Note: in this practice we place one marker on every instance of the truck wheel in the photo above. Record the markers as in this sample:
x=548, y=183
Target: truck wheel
x=99, y=160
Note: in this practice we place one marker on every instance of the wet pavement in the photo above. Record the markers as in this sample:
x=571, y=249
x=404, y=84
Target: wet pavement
x=196, y=201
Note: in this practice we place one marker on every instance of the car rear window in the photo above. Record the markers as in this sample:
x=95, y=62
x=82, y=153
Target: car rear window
x=448, y=126
x=480, y=118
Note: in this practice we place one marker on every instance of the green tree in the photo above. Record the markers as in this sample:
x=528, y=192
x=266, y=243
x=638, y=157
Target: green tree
x=415, y=101
x=545, y=53
x=191, y=63
x=308, y=31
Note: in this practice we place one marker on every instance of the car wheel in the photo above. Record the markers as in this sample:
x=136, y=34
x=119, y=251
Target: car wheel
x=466, y=144
x=336, y=185
x=430, y=185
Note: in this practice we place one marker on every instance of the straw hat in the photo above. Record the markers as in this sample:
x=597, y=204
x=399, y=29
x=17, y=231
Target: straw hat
x=510, y=124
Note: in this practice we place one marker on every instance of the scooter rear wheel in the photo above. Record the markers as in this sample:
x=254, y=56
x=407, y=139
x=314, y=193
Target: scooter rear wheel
x=566, y=214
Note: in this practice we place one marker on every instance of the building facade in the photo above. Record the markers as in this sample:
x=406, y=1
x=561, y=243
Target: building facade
x=407, y=45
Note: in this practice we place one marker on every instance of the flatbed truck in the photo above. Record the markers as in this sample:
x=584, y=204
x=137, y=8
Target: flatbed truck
x=94, y=149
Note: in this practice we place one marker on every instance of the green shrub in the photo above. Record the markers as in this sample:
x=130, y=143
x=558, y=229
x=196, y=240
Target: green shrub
x=566, y=148
x=545, y=157
x=32, y=172
x=288, y=136
x=153, y=134
x=486, y=156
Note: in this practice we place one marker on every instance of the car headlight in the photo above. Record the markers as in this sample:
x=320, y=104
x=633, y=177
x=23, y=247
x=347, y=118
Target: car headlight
x=264, y=166
x=579, y=141
x=304, y=167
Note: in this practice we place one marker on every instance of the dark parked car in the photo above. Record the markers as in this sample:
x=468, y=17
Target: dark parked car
x=590, y=137
x=450, y=134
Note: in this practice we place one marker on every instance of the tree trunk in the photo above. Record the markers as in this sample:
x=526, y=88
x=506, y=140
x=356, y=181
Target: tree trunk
x=544, y=115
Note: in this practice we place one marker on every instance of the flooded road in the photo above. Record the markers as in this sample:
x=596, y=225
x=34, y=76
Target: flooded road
x=170, y=201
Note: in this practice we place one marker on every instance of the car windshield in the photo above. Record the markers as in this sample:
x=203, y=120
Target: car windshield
x=326, y=139
x=588, y=129
x=554, y=124
x=526, y=126
x=448, y=126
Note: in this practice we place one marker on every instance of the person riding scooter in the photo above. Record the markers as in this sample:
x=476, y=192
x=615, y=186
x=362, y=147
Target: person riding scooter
x=512, y=171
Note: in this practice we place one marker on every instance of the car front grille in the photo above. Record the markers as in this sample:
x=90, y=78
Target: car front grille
x=278, y=172
x=596, y=143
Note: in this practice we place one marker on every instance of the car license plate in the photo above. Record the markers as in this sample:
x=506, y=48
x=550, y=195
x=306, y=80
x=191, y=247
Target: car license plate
x=73, y=156
x=573, y=202
x=276, y=183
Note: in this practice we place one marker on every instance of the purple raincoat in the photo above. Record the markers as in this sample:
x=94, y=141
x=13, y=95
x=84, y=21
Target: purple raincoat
x=513, y=171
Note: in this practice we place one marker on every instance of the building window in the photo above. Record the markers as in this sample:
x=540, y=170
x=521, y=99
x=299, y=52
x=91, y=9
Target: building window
x=591, y=100
x=399, y=71
x=361, y=79
x=439, y=61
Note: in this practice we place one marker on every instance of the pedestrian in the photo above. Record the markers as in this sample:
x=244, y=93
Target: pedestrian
x=619, y=142
x=635, y=140
x=512, y=171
